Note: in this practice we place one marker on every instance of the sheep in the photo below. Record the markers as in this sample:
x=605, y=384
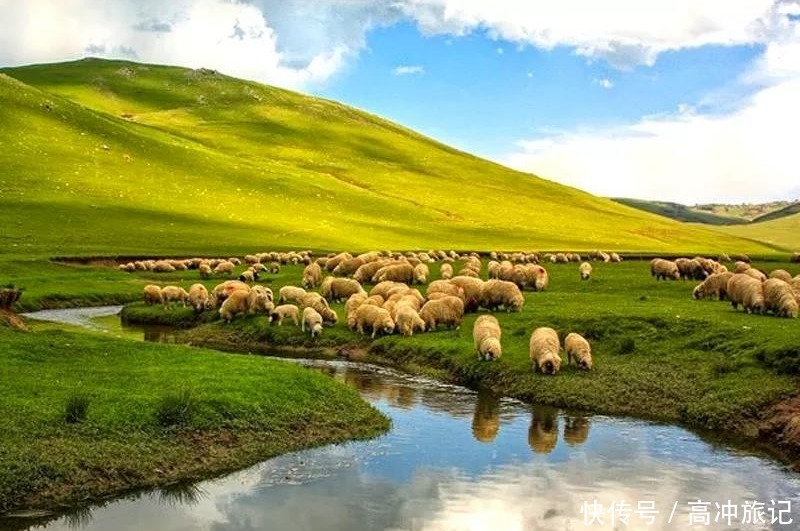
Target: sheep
x=339, y=289
x=780, y=298
x=174, y=294
x=486, y=337
x=223, y=291
x=279, y=313
x=335, y=260
x=501, y=293
x=261, y=299
x=446, y=287
x=199, y=298
x=472, y=291
x=348, y=267
x=747, y=291
x=248, y=276
x=127, y=268
x=290, y=293
x=447, y=310
x=224, y=268
x=690, y=269
x=311, y=320
x=468, y=272
x=585, y=269
x=368, y=270
x=544, y=348
x=740, y=267
x=756, y=274
x=374, y=319
x=578, y=348
x=314, y=300
x=395, y=272
x=616, y=258
x=274, y=268
x=795, y=258
x=421, y=273
x=715, y=285
x=204, y=270
x=664, y=269
x=781, y=274
x=153, y=295
x=407, y=319
x=537, y=277
x=312, y=276
x=383, y=288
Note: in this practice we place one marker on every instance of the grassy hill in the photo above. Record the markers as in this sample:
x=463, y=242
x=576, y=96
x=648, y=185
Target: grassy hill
x=782, y=232
x=679, y=212
x=789, y=210
x=103, y=157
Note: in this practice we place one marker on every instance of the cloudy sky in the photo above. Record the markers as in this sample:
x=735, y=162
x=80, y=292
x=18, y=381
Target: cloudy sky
x=683, y=100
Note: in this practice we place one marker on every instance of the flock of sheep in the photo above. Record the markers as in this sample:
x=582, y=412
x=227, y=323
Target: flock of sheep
x=777, y=293
x=393, y=304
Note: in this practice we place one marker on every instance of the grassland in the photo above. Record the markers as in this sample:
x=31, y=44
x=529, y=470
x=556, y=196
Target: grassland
x=680, y=212
x=156, y=415
x=111, y=157
x=658, y=353
x=782, y=232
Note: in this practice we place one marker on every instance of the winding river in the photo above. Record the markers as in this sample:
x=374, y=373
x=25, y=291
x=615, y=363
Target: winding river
x=456, y=459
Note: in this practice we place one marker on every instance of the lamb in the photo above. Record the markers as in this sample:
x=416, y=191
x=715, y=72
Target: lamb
x=421, y=273
x=312, y=276
x=780, y=298
x=224, y=268
x=447, y=311
x=472, y=291
x=373, y=318
x=312, y=321
x=407, y=319
x=339, y=289
x=153, y=295
x=395, y=272
x=199, y=298
x=279, y=313
x=664, y=269
x=486, y=336
x=714, y=286
x=174, y=294
x=781, y=274
x=578, y=348
x=585, y=270
x=501, y=293
x=544, y=348
x=290, y=294
x=747, y=291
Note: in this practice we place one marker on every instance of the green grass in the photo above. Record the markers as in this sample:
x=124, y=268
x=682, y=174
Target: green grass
x=782, y=232
x=680, y=212
x=658, y=353
x=83, y=416
x=110, y=157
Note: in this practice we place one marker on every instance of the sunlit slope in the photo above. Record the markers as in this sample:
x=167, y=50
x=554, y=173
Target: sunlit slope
x=108, y=156
x=782, y=232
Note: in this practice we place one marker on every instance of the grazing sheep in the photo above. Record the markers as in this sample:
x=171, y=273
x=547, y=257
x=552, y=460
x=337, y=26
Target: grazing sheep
x=544, y=348
x=780, y=298
x=445, y=311
x=339, y=289
x=446, y=287
x=715, y=285
x=223, y=291
x=756, y=274
x=199, y=297
x=153, y=295
x=274, y=268
x=747, y=291
x=396, y=273
x=407, y=319
x=204, y=270
x=690, y=269
x=312, y=276
x=248, y=276
x=174, y=294
x=290, y=293
x=236, y=303
x=314, y=300
x=335, y=260
x=795, y=258
x=162, y=266
x=383, y=288
x=615, y=257
x=577, y=347
x=781, y=274
x=664, y=269
x=585, y=270
x=312, y=320
x=367, y=271
x=537, y=277
x=495, y=294
x=261, y=299
x=472, y=291
x=486, y=336
x=224, y=268
x=740, y=267
x=374, y=319
x=279, y=313
x=348, y=267
x=421, y=273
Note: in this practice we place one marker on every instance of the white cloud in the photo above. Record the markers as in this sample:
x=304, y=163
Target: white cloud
x=605, y=83
x=408, y=70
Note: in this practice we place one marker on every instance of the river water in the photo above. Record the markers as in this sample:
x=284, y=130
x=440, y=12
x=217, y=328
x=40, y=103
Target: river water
x=456, y=459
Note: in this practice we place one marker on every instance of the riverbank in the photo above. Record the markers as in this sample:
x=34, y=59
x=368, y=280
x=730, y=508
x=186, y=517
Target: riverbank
x=85, y=417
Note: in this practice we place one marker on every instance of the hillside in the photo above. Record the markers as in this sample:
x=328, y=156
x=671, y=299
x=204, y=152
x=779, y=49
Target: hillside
x=107, y=157
x=782, y=232
x=679, y=212
x=789, y=210
x=746, y=211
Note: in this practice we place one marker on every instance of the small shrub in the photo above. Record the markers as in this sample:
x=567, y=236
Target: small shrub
x=626, y=346
x=76, y=409
x=176, y=408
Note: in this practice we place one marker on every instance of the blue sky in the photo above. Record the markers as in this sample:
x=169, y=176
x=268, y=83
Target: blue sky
x=681, y=100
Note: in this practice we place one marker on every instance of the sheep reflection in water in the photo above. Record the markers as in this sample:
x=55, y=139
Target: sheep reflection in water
x=486, y=420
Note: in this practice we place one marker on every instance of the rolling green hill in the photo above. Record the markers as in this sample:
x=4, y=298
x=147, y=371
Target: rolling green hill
x=783, y=232
x=104, y=157
x=679, y=212
x=789, y=210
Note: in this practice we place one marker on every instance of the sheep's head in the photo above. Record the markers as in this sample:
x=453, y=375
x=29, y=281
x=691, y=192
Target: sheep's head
x=491, y=348
x=698, y=292
x=551, y=364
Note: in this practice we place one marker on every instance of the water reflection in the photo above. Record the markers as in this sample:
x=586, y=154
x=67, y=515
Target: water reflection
x=486, y=420
x=576, y=429
x=543, y=432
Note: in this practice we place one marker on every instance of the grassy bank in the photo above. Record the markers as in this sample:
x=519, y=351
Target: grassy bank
x=659, y=354
x=84, y=417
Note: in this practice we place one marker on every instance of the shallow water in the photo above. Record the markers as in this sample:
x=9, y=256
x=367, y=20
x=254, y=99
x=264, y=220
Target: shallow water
x=455, y=459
